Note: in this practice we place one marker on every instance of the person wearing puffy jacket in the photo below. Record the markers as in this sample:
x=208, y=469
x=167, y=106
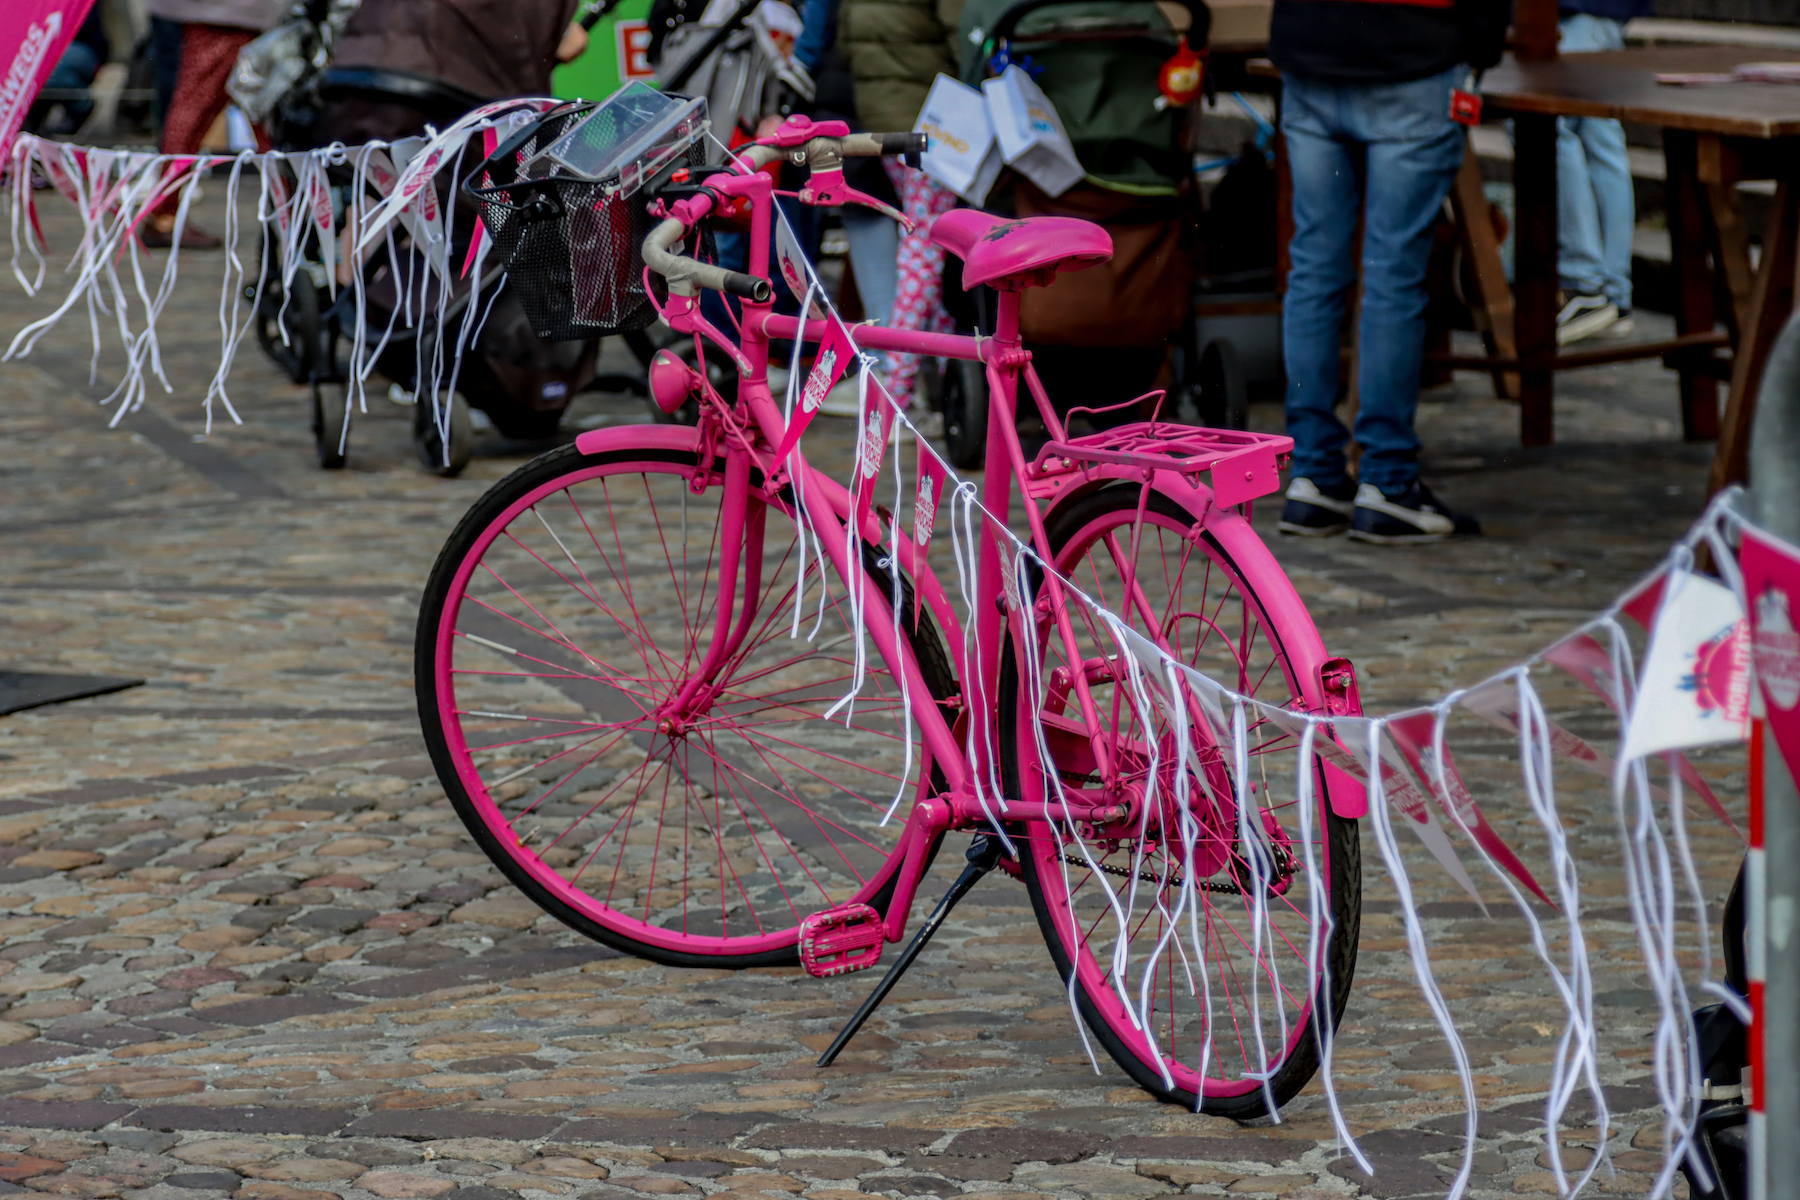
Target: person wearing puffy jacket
x=1365, y=112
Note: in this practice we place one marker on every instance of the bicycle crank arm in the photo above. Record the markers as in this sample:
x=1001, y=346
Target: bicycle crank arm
x=983, y=854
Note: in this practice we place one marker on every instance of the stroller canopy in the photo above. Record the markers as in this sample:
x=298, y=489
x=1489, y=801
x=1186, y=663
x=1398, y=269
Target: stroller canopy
x=1098, y=62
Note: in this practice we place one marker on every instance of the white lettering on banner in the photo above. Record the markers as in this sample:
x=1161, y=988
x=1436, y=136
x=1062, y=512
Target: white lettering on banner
x=868, y=458
x=20, y=86
x=819, y=382
x=1695, y=688
x=1777, y=649
x=924, y=515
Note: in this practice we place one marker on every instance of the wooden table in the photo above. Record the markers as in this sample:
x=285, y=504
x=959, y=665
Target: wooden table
x=1714, y=136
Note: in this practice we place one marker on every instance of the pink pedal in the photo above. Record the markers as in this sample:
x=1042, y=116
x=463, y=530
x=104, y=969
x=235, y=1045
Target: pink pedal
x=841, y=940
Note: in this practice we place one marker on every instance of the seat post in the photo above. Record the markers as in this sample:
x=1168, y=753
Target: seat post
x=1006, y=320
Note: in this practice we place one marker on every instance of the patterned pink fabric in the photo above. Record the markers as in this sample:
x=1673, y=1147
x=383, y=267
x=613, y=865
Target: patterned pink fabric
x=918, y=285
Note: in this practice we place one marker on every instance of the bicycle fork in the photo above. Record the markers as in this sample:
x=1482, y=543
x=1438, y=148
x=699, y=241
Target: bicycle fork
x=742, y=520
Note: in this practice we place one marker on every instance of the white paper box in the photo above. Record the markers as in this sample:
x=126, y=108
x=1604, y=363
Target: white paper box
x=963, y=155
x=1029, y=132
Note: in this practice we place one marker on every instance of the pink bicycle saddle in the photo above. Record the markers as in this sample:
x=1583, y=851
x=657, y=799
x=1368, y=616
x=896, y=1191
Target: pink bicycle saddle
x=1010, y=255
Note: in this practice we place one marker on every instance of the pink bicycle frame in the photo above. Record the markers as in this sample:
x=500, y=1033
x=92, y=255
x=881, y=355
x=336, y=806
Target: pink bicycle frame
x=746, y=434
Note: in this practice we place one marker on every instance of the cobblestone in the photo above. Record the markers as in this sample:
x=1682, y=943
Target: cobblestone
x=249, y=951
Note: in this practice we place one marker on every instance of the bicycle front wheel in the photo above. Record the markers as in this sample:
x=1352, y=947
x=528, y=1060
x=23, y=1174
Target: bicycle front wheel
x=1204, y=1003
x=571, y=606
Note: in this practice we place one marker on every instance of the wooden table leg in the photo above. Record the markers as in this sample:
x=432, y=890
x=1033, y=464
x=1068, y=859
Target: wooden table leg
x=1534, y=255
x=1688, y=245
x=1718, y=171
x=1493, y=299
x=1771, y=300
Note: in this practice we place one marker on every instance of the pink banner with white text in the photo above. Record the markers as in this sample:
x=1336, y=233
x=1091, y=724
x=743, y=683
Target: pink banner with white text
x=33, y=35
x=1771, y=570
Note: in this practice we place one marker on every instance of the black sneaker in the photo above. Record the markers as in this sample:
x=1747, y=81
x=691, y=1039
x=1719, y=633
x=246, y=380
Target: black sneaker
x=1314, y=512
x=1413, y=515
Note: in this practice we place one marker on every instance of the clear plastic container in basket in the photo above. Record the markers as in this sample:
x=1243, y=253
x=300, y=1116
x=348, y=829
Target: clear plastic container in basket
x=560, y=199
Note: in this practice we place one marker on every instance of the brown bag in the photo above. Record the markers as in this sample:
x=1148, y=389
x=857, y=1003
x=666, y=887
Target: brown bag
x=1137, y=299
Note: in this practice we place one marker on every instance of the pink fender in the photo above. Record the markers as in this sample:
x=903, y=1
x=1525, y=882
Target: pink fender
x=1281, y=603
x=636, y=437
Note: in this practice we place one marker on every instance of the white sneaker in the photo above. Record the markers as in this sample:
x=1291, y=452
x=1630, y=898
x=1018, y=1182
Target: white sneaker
x=1621, y=328
x=1583, y=317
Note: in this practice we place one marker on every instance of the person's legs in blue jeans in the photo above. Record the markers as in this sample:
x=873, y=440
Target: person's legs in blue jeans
x=1580, y=261
x=1595, y=207
x=1327, y=179
x=1609, y=174
x=1407, y=182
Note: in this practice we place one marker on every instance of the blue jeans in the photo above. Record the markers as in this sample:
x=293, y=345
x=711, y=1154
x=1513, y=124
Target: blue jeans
x=1391, y=151
x=1595, y=210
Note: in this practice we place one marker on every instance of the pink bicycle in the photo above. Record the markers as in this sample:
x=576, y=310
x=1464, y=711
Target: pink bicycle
x=632, y=655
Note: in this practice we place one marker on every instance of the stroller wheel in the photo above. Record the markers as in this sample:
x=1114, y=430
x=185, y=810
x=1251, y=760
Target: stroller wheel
x=297, y=312
x=1220, y=393
x=441, y=456
x=964, y=397
x=331, y=423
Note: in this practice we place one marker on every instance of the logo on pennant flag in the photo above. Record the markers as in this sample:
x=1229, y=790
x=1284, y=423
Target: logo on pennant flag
x=1695, y=688
x=824, y=374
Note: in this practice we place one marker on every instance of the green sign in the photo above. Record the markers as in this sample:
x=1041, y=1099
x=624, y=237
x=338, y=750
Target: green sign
x=615, y=56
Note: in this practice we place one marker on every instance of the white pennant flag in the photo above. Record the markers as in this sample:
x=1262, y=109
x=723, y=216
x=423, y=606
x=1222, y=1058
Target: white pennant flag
x=1695, y=686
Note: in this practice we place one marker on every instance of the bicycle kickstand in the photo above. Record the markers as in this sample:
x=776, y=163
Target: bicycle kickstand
x=983, y=855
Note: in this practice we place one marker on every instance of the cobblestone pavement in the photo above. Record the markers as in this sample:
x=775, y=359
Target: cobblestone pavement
x=248, y=950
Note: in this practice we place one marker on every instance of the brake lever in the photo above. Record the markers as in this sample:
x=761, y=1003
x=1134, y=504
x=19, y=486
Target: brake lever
x=826, y=188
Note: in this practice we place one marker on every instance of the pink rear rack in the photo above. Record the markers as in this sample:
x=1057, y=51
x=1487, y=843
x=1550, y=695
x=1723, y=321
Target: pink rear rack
x=1244, y=465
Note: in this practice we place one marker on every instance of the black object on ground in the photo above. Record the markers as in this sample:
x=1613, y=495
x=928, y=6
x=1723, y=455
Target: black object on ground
x=984, y=855
x=20, y=690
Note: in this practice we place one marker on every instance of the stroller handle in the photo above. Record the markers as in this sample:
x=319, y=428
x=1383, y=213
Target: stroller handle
x=1199, y=27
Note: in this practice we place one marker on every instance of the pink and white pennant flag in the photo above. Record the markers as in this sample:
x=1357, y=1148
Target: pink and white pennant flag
x=834, y=358
x=1694, y=689
x=871, y=445
x=1587, y=660
x=931, y=475
x=1771, y=570
x=1414, y=737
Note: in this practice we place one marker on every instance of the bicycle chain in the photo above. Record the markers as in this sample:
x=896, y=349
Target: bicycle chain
x=1205, y=885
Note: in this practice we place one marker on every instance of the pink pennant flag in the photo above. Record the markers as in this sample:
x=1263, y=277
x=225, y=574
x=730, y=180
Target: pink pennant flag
x=1771, y=570
x=871, y=447
x=834, y=357
x=930, y=473
x=490, y=141
x=1414, y=737
x=1587, y=660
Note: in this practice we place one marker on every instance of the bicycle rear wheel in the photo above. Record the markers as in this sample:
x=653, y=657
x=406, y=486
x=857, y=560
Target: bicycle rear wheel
x=570, y=605
x=1192, y=1004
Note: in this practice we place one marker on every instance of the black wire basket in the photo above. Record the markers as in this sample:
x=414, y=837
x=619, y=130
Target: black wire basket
x=572, y=245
